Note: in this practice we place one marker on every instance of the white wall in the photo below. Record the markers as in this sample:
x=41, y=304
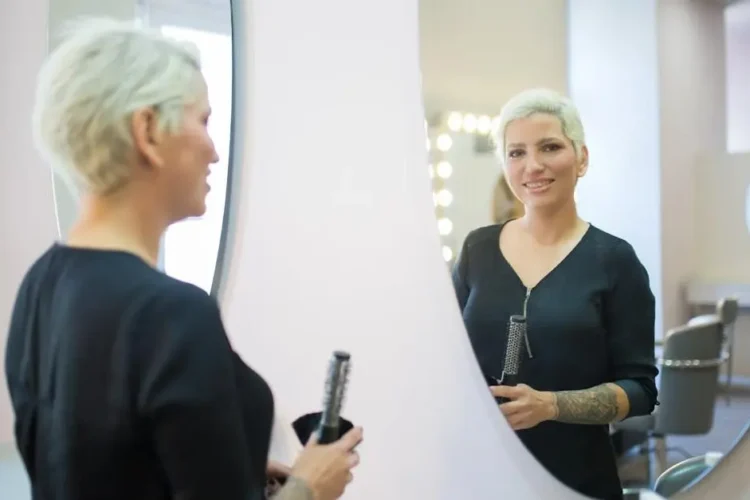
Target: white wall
x=614, y=79
x=27, y=221
x=722, y=184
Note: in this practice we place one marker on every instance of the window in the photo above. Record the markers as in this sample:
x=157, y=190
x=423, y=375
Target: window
x=737, y=22
x=191, y=247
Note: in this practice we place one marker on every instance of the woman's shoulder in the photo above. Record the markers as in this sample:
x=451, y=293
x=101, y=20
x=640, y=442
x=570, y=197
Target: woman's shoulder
x=616, y=254
x=612, y=246
x=483, y=234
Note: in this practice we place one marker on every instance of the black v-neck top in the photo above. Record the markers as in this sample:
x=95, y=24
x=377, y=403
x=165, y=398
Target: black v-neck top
x=124, y=386
x=589, y=321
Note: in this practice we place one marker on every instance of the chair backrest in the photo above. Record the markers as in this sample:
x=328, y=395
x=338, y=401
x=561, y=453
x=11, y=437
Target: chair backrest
x=703, y=319
x=689, y=378
x=727, y=309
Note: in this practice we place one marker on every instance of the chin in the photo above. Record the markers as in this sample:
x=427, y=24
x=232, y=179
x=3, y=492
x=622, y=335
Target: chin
x=199, y=211
x=545, y=203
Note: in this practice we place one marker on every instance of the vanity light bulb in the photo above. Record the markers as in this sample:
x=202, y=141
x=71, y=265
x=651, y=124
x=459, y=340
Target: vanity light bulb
x=444, y=198
x=455, y=121
x=444, y=142
x=445, y=226
x=470, y=124
x=484, y=124
x=444, y=170
x=447, y=253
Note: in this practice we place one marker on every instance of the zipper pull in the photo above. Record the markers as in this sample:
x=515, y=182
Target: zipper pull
x=526, y=332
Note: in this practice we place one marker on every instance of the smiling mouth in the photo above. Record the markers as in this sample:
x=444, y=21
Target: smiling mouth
x=538, y=184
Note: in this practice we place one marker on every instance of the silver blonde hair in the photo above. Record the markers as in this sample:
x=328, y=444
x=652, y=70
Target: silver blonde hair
x=90, y=86
x=533, y=101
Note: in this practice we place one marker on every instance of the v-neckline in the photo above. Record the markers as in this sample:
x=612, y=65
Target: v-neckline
x=551, y=271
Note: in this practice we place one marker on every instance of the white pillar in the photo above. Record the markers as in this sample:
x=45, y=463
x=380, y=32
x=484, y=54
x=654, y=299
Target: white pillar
x=614, y=71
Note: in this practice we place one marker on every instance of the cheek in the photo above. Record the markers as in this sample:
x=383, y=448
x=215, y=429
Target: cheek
x=565, y=165
x=514, y=175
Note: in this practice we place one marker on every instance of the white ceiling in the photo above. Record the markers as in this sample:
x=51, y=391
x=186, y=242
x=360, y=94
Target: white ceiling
x=471, y=49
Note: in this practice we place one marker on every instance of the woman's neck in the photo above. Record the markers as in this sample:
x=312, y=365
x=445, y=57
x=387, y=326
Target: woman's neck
x=548, y=227
x=119, y=222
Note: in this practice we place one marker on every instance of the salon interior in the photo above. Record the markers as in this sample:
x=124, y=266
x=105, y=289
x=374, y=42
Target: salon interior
x=376, y=189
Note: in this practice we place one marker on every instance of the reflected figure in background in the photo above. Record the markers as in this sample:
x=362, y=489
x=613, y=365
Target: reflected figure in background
x=589, y=354
x=123, y=381
x=505, y=206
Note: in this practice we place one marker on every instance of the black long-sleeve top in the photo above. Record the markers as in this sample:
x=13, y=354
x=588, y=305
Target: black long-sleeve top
x=590, y=321
x=124, y=386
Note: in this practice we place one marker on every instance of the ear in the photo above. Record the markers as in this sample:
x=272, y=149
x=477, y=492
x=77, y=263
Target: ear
x=584, y=165
x=147, y=137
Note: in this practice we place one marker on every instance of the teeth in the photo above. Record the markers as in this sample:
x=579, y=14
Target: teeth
x=539, y=184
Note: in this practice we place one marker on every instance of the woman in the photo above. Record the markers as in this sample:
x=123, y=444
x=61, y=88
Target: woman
x=589, y=353
x=123, y=382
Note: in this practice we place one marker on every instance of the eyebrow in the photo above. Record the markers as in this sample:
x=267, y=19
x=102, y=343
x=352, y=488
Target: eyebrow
x=541, y=141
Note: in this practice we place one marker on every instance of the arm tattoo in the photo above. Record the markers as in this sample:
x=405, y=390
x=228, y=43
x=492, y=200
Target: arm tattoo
x=294, y=489
x=595, y=406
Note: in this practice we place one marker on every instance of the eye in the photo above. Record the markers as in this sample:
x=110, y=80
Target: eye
x=515, y=153
x=551, y=147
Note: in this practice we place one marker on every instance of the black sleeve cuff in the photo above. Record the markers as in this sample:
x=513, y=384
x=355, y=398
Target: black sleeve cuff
x=642, y=402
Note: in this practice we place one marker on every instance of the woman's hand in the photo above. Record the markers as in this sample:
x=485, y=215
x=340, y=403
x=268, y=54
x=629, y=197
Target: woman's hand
x=326, y=469
x=527, y=407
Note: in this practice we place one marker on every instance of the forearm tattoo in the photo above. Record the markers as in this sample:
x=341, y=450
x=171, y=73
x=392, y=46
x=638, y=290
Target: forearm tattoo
x=597, y=405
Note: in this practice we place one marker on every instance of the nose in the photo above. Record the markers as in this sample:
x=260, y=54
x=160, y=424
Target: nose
x=215, y=158
x=533, y=164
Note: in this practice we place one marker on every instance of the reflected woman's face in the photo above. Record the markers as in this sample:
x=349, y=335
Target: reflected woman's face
x=541, y=164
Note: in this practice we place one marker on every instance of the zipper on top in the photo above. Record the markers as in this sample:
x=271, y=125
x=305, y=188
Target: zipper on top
x=526, y=333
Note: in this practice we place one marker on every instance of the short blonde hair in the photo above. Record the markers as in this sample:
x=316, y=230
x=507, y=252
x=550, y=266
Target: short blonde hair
x=90, y=86
x=532, y=101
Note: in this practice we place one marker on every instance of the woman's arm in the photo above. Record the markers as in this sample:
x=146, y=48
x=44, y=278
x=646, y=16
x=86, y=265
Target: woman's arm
x=629, y=316
x=187, y=397
x=603, y=404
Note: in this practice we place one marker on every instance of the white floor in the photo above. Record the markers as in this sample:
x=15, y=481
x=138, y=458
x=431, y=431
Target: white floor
x=15, y=485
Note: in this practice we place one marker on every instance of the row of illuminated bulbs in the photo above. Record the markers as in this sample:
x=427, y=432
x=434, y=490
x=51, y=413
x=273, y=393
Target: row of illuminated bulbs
x=443, y=198
x=456, y=122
